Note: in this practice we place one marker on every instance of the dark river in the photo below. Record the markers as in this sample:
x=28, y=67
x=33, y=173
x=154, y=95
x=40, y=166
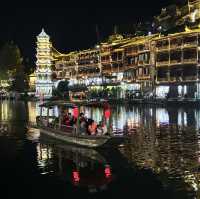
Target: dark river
x=160, y=160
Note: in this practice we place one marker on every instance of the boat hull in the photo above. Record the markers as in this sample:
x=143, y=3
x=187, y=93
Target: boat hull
x=85, y=141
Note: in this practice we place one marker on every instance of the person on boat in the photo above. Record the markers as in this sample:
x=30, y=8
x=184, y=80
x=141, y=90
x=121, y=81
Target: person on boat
x=66, y=119
x=92, y=127
x=99, y=130
x=82, y=117
x=38, y=120
x=55, y=122
x=104, y=128
x=73, y=123
x=83, y=123
x=73, y=120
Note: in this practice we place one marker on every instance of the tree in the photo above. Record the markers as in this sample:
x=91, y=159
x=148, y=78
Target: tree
x=13, y=68
x=20, y=80
x=10, y=59
x=29, y=67
x=62, y=90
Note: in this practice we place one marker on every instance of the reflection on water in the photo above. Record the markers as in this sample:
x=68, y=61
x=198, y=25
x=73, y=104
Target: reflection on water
x=81, y=167
x=163, y=142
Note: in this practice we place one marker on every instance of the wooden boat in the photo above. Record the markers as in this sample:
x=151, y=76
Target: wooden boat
x=73, y=135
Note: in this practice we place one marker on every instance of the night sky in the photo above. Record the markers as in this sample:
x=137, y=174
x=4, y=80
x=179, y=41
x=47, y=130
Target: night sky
x=71, y=24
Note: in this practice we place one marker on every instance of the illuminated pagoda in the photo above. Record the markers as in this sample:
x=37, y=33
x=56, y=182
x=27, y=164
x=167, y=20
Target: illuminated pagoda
x=194, y=10
x=44, y=83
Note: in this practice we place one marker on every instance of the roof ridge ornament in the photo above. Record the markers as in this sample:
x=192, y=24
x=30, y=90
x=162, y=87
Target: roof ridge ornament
x=187, y=29
x=43, y=34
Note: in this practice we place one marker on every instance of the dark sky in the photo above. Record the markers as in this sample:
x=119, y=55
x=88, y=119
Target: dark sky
x=70, y=23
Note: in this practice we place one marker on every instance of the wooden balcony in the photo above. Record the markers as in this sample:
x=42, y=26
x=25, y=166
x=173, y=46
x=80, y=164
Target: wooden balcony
x=106, y=71
x=143, y=50
x=116, y=70
x=127, y=67
x=190, y=61
x=163, y=80
x=144, y=77
x=88, y=65
x=190, y=45
x=162, y=63
x=175, y=62
x=117, y=61
x=142, y=63
x=183, y=79
x=174, y=47
x=189, y=78
x=129, y=80
x=162, y=48
x=130, y=54
x=106, y=61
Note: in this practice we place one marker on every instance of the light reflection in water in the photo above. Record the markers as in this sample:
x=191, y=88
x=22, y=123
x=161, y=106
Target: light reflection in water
x=166, y=141
x=163, y=140
x=44, y=157
x=79, y=166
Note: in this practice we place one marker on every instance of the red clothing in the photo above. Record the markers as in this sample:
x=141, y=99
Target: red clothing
x=66, y=120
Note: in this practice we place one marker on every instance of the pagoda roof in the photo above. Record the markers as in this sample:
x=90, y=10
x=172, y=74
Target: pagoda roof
x=43, y=34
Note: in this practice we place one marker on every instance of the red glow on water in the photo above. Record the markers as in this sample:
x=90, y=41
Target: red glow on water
x=76, y=176
x=107, y=172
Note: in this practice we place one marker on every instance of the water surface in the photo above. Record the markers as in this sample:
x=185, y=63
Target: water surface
x=160, y=160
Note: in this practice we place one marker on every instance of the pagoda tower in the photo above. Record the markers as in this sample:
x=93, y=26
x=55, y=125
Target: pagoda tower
x=194, y=10
x=44, y=84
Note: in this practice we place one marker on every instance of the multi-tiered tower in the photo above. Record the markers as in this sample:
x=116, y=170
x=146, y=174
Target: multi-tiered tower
x=44, y=84
x=194, y=10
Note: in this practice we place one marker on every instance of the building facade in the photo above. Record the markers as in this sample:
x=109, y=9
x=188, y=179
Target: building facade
x=152, y=66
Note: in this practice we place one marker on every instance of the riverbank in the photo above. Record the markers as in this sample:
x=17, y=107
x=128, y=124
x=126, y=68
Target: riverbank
x=156, y=102
x=112, y=102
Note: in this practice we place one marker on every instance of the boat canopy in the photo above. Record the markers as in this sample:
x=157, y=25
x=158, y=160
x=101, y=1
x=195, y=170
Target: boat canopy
x=58, y=103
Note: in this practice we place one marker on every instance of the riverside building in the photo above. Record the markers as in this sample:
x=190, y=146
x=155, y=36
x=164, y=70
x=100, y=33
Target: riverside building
x=153, y=66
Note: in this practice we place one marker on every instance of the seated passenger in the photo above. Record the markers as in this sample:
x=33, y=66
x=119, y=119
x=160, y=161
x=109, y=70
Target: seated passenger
x=99, y=130
x=66, y=120
x=104, y=129
x=82, y=117
x=64, y=117
x=92, y=127
x=38, y=120
x=73, y=121
x=55, y=122
x=83, y=127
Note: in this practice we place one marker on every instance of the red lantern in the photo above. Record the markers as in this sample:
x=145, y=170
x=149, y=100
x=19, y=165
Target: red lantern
x=107, y=172
x=75, y=112
x=76, y=176
x=107, y=113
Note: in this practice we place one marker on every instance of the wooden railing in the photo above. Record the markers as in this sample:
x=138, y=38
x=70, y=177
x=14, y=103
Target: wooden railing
x=53, y=126
x=162, y=63
x=192, y=61
x=144, y=77
x=190, y=45
x=162, y=48
x=187, y=78
x=162, y=79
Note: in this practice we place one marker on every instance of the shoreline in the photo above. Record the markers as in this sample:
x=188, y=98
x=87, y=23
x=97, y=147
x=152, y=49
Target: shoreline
x=112, y=102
